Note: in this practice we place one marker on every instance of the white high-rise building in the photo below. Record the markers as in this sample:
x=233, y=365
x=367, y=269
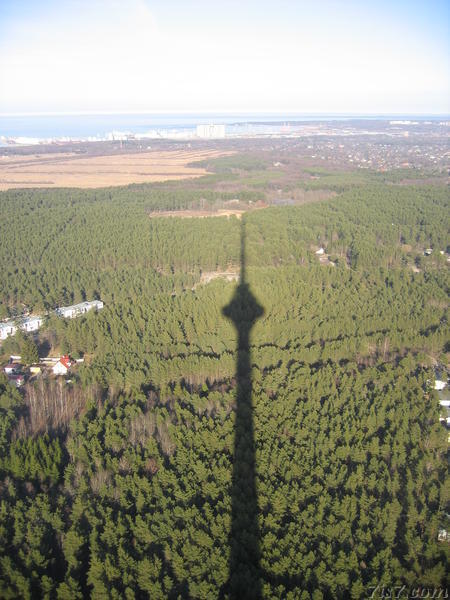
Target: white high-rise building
x=211, y=131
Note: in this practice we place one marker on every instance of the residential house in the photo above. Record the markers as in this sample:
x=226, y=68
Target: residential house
x=445, y=415
x=76, y=310
x=443, y=535
x=31, y=323
x=63, y=365
x=7, y=328
x=13, y=369
x=27, y=324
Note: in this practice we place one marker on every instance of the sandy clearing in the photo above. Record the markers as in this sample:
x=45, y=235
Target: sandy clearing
x=197, y=214
x=73, y=170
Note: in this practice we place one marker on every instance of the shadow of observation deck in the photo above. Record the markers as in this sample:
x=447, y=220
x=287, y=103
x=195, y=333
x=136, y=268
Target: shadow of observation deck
x=244, y=566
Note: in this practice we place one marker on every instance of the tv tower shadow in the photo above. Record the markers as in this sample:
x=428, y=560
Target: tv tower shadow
x=244, y=566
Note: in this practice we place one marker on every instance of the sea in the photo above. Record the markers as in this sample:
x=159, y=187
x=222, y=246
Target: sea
x=36, y=128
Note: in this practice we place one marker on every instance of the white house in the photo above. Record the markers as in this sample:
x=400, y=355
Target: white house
x=31, y=323
x=76, y=310
x=12, y=369
x=68, y=312
x=7, y=328
x=445, y=416
x=443, y=535
x=439, y=384
x=320, y=251
x=28, y=324
x=62, y=366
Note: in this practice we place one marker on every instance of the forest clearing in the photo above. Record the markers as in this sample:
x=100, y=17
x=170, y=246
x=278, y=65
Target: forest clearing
x=198, y=213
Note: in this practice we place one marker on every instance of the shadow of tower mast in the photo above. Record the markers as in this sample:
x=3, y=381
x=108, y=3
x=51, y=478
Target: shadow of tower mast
x=244, y=567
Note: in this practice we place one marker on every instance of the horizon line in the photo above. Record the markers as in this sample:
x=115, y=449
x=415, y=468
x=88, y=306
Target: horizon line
x=221, y=112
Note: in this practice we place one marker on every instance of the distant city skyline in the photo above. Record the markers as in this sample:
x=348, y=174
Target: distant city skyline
x=295, y=57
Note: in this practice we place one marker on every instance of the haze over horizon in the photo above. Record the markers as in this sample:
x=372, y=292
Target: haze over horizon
x=105, y=56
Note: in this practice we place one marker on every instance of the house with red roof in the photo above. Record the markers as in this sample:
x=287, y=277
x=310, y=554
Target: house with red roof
x=63, y=365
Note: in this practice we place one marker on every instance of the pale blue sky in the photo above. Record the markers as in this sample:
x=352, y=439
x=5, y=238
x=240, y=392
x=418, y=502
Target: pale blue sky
x=339, y=56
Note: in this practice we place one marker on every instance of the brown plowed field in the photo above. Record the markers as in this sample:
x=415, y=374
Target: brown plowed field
x=71, y=170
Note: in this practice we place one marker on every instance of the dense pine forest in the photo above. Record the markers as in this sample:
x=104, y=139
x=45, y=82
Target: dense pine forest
x=119, y=483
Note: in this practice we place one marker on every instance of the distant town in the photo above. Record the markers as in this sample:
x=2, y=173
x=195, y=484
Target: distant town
x=361, y=143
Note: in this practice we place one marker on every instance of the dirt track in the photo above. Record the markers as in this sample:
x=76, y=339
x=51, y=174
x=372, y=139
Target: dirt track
x=71, y=170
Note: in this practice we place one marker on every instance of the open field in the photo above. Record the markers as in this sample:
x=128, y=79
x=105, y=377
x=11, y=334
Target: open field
x=71, y=170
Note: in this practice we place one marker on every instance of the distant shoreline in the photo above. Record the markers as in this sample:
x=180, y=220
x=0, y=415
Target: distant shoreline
x=23, y=130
